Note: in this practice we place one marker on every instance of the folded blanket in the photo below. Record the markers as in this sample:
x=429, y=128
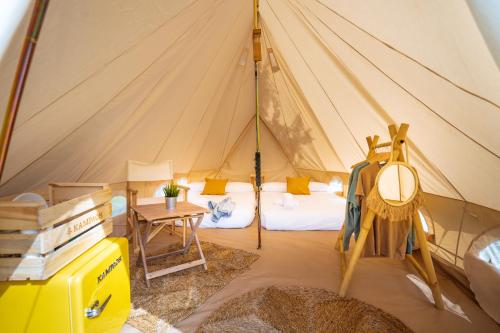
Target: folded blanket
x=221, y=209
x=288, y=201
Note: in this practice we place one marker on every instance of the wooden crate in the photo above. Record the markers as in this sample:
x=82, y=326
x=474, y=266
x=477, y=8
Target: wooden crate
x=37, y=242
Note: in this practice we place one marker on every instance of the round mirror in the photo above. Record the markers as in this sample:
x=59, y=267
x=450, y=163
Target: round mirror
x=397, y=183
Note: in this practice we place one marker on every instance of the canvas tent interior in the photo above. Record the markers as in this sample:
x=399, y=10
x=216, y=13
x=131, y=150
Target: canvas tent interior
x=157, y=80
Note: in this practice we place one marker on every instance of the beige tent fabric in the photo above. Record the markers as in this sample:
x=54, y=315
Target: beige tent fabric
x=140, y=171
x=158, y=80
x=364, y=76
x=289, y=115
x=152, y=98
x=486, y=16
x=117, y=89
x=239, y=162
x=362, y=94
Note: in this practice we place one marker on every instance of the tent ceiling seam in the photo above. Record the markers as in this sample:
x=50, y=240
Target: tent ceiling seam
x=88, y=119
x=288, y=136
x=236, y=143
x=207, y=134
x=394, y=81
x=415, y=148
x=281, y=147
x=101, y=68
x=96, y=113
x=197, y=87
x=317, y=80
x=292, y=81
x=236, y=102
x=123, y=134
x=213, y=119
x=410, y=57
x=231, y=121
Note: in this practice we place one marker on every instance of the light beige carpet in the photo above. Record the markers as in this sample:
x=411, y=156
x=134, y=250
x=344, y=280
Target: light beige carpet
x=174, y=297
x=299, y=309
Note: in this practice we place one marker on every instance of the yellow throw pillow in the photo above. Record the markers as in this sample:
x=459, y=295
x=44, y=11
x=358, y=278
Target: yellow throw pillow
x=214, y=186
x=297, y=185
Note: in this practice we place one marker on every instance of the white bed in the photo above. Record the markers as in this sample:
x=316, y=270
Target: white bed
x=242, y=194
x=321, y=210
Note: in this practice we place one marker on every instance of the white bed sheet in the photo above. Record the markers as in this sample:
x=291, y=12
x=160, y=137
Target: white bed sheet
x=243, y=213
x=318, y=211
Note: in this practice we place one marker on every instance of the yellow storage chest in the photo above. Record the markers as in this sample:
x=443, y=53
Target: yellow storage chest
x=91, y=294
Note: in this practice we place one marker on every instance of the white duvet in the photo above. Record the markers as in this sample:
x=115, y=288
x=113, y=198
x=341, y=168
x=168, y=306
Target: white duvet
x=243, y=213
x=318, y=211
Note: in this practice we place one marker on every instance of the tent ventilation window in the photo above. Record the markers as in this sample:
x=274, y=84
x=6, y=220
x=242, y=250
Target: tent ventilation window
x=119, y=205
x=491, y=254
x=425, y=225
x=159, y=191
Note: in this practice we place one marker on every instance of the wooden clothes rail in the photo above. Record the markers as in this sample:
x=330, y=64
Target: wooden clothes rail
x=395, y=156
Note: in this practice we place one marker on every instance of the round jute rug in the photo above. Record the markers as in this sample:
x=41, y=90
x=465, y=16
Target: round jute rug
x=298, y=309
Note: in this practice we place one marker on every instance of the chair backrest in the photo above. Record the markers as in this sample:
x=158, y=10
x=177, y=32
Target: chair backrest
x=145, y=179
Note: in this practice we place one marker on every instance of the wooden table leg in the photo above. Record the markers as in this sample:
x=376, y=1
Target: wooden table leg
x=147, y=231
x=194, y=228
x=183, y=251
x=134, y=221
x=360, y=243
x=142, y=248
x=198, y=222
x=184, y=232
x=137, y=236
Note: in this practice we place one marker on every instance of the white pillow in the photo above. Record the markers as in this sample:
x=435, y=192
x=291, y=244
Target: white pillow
x=238, y=187
x=274, y=187
x=196, y=187
x=318, y=187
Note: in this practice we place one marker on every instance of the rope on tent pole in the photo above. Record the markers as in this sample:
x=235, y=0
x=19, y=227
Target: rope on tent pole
x=257, y=56
x=20, y=77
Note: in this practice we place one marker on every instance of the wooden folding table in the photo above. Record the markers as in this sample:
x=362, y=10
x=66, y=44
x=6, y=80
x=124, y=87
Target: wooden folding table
x=158, y=216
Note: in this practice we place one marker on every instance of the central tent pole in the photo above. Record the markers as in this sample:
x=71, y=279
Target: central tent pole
x=257, y=56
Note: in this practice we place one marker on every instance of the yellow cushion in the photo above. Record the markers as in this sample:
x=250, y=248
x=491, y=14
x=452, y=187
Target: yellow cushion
x=297, y=185
x=214, y=186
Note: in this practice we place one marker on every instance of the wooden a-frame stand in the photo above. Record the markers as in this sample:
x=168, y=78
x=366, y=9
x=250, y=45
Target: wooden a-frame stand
x=427, y=272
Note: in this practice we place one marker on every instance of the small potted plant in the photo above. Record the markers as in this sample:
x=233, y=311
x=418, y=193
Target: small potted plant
x=171, y=192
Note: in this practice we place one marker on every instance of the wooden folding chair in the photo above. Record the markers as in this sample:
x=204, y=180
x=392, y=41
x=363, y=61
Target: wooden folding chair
x=143, y=180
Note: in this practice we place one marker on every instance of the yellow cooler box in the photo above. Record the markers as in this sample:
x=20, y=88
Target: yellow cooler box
x=91, y=294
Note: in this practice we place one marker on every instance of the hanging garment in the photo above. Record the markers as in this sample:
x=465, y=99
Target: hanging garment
x=402, y=215
x=352, y=213
x=385, y=238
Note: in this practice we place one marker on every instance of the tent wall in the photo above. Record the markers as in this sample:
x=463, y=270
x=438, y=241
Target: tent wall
x=356, y=84
x=455, y=225
x=355, y=68
x=286, y=111
x=239, y=164
x=118, y=80
x=104, y=87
